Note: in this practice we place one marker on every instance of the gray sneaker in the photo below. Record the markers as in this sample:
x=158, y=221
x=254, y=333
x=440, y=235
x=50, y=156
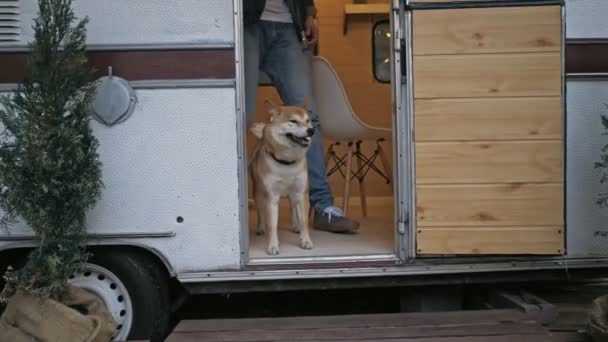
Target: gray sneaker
x=333, y=220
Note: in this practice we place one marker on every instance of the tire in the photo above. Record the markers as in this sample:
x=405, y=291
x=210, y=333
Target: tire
x=135, y=290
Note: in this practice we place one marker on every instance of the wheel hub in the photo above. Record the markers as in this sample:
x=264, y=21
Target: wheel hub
x=108, y=287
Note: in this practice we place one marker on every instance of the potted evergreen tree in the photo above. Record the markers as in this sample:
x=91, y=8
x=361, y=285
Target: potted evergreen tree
x=602, y=199
x=50, y=175
x=598, y=317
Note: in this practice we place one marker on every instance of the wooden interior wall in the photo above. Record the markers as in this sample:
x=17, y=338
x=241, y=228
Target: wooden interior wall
x=488, y=120
x=351, y=56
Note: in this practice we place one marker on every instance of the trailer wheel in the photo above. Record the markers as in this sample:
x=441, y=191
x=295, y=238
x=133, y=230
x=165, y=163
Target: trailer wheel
x=133, y=288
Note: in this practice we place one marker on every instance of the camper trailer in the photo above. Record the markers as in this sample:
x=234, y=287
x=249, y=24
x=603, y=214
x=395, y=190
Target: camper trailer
x=461, y=134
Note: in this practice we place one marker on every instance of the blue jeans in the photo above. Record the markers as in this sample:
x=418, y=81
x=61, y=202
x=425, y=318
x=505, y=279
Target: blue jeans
x=274, y=48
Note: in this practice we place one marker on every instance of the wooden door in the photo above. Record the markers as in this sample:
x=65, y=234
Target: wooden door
x=488, y=130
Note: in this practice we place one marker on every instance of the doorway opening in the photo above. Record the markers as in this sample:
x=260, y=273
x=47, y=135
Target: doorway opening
x=351, y=80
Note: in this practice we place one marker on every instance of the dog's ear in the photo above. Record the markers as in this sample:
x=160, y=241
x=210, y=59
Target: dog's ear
x=273, y=109
x=257, y=129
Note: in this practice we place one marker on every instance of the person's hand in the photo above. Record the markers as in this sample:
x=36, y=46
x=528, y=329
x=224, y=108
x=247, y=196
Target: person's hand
x=311, y=31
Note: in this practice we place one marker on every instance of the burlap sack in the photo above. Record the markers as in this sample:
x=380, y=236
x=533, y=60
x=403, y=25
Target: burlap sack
x=90, y=305
x=598, y=319
x=29, y=319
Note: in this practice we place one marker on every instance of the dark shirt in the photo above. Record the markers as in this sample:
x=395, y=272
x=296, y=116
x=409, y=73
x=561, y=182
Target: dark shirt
x=299, y=9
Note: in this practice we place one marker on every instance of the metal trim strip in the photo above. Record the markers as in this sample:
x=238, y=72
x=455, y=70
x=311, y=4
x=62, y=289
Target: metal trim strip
x=410, y=147
x=410, y=270
x=160, y=84
x=391, y=257
x=564, y=129
x=482, y=4
x=135, y=47
x=102, y=236
x=241, y=130
x=591, y=76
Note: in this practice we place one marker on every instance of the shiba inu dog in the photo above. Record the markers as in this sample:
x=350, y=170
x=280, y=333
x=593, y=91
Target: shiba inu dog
x=279, y=169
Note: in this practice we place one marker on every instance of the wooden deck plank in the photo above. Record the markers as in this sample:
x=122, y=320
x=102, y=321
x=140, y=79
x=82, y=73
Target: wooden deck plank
x=569, y=337
x=369, y=333
x=504, y=338
x=348, y=321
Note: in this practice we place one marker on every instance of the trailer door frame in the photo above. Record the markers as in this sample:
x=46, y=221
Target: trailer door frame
x=403, y=151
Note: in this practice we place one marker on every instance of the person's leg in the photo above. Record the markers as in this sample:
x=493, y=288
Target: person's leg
x=290, y=70
x=251, y=48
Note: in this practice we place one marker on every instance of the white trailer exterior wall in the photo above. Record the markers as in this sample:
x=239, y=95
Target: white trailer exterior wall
x=585, y=103
x=176, y=155
x=148, y=22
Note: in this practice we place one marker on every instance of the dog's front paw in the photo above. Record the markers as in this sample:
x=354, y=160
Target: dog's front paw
x=295, y=229
x=272, y=249
x=306, y=244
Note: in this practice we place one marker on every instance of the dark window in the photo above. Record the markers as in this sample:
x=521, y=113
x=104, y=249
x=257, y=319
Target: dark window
x=381, y=51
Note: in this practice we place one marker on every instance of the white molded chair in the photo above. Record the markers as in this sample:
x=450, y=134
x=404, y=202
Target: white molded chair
x=340, y=123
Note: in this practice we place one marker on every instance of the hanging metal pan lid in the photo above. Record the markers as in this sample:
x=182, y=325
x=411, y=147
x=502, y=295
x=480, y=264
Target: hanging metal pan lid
x=114, y=100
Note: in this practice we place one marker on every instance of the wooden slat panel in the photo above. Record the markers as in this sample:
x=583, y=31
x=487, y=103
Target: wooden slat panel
x=490, y=205
x=427, y=1
x=488, y=162
x=496, y=75
x=488, y=121
x=487, y=30
x=488, y=118
x=501, y=240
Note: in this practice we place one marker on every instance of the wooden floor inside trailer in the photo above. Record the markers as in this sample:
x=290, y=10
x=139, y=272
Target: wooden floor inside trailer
x=376, y=235
x=457, y=326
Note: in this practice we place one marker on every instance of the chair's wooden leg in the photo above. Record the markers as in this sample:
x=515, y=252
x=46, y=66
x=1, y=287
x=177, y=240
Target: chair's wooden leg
x=361, y=183
x=349, y=159
x=385, y=165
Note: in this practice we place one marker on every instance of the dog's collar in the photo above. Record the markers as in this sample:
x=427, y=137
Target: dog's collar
x=281, y=161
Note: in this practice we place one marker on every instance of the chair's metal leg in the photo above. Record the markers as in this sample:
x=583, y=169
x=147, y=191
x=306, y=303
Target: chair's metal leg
x=361, y=181
x=338, y=161
x=330, y=151
x=385, y=165
x=349, y=158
